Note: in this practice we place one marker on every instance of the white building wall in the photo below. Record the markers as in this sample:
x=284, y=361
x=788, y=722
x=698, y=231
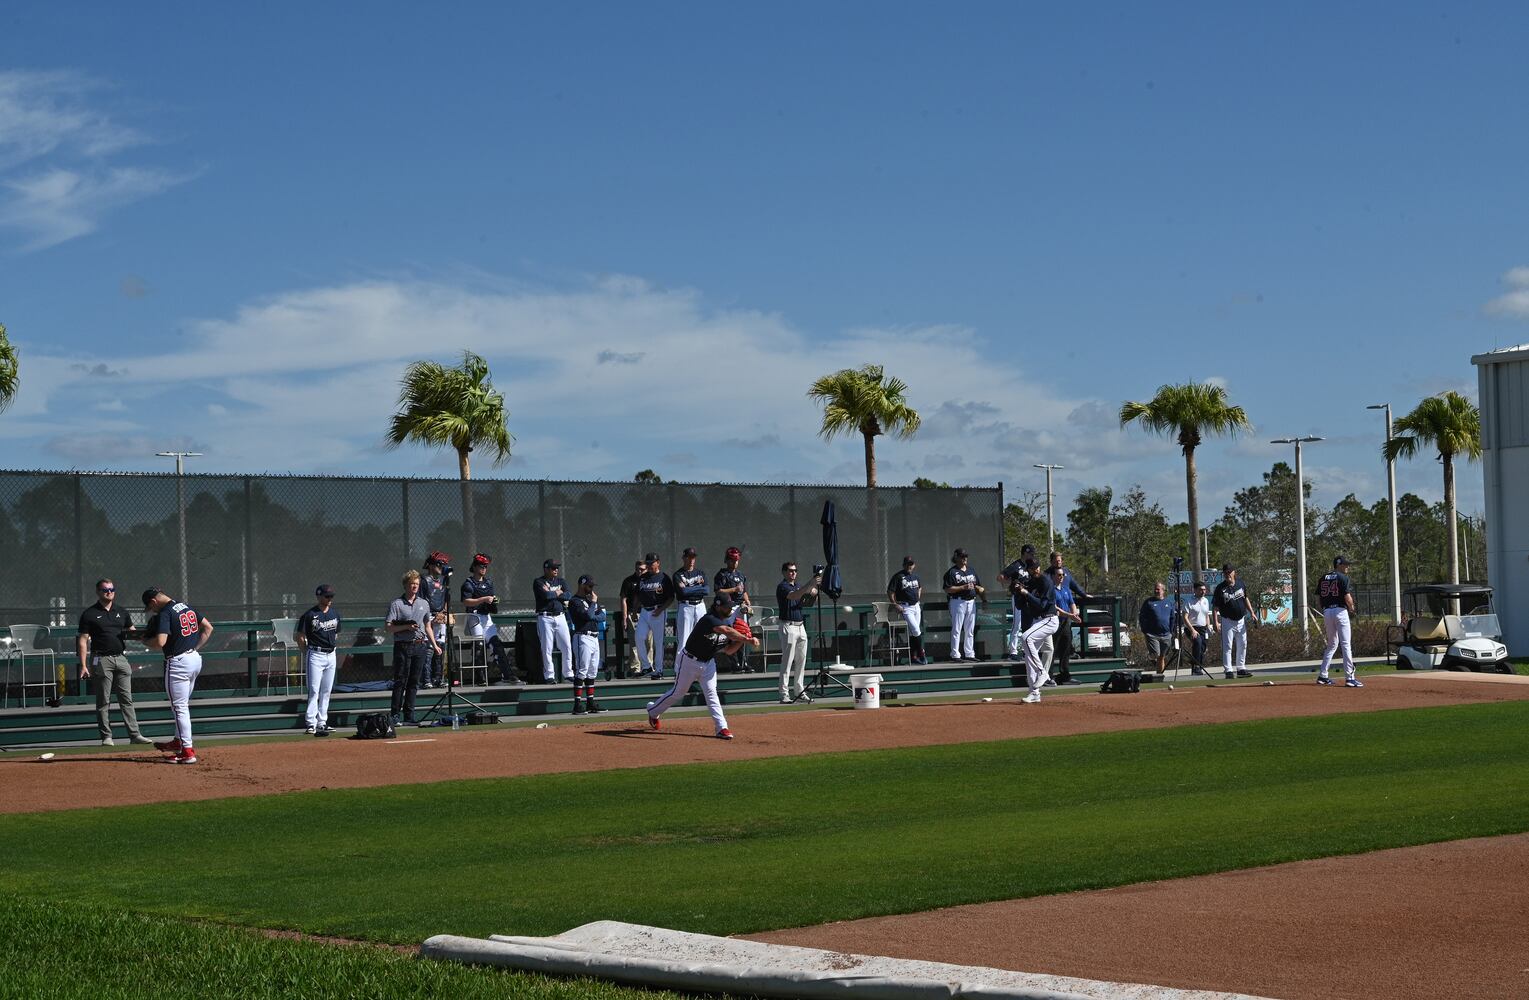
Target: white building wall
x=1504, y=395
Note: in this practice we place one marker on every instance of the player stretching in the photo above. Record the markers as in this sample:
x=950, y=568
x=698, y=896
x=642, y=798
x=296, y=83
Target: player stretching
x=715, y=633
x=180, y=632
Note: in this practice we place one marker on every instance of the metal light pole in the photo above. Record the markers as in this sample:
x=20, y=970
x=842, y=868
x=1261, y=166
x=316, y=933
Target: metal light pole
x=180, y=506
x=1050, y=522
x=1300, y=533
x=1396, y=554
x=561, y=555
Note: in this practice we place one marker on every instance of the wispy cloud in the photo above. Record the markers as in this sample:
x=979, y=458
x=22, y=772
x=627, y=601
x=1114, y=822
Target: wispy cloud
x=57, y=144
x=1514, y=303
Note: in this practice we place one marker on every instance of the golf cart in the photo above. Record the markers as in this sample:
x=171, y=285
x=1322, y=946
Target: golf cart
x=1436, y=638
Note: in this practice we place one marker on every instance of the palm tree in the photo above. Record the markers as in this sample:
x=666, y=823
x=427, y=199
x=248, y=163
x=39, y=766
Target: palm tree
x=9, y=370
x=1190, y=412
x=457, y=407
x=865, y=401
x=1451, y=424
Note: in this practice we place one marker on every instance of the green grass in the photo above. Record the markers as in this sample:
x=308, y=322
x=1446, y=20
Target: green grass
x=94, y=953
x=790, y=841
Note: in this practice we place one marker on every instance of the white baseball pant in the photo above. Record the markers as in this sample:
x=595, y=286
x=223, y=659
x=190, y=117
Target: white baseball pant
x=963, y=628
x=1336, y=624
x=914, y=614
x=1234, y=644
x=685, y=617
x=181, y=672
x=1016, y=629
x=687, y=671
x=793, y=656
x=586, y=656
x=320, y=664
x=1034, y=640
x=550, y=629
x=650, y=623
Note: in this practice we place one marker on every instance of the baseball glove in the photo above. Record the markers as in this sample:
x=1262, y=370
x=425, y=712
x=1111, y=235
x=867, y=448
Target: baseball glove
x=742, y=628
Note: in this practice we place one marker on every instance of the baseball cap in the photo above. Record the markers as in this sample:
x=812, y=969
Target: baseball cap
x=909, y=560
x=586, y=578
x=150, y=594
x=689, y=551
x=1227, y=567
x=1027, y=547
x=960, y=554
x=733, y=552
x=323, y=590
x=1341, y=561
x=722, y=604
x=481, y=560
x=651, y=557
x=551, y=564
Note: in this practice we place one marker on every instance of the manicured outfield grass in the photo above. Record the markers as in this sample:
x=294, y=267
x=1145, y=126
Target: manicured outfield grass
x=92, y=953
x=727, y=848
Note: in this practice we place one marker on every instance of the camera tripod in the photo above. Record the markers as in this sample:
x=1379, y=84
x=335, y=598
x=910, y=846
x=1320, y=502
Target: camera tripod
x=825, y=675
x=452, y=668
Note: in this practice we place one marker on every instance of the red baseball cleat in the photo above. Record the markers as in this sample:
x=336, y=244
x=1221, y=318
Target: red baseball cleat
x=653, y=721
x=724, y=734
x=185, y=756
x=171, y=745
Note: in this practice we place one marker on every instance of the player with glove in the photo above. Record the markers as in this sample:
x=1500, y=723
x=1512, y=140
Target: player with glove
x=715, y=633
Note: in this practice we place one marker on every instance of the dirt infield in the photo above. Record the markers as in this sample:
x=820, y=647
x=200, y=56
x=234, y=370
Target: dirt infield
x=1444, y=920
x=110, y=778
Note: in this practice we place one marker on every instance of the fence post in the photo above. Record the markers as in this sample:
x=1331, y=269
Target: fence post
x=79, y=559
x=406, y=546
x=249, y=540
x=1003, y=558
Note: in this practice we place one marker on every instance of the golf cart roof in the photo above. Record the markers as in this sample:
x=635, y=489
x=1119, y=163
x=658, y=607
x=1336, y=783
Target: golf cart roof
x=1448, y=589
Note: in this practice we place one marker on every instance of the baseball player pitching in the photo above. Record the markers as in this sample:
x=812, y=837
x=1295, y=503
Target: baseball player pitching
x=1337, y=596
x=716, y=632
x=179, y=631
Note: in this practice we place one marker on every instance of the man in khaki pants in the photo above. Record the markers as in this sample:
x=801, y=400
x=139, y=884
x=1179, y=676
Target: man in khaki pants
x=104, y=656
x=789, y=598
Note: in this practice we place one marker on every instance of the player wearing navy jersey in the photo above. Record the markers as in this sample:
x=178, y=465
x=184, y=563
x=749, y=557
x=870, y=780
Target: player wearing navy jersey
x=317, y=632
x=689, y=596
x=1040, y=597
x=962, y=588
x=1336, y=594
x=588, y=618
x=551, y=593
x=1014, y=576
x=432, y=587
x=1233, y=611
x=179, y=631
x=696, y=663
x=631, y=665
x=480, y=602
x=906, y=592
x=654, y=592
x=730, y=582
x=790, y=595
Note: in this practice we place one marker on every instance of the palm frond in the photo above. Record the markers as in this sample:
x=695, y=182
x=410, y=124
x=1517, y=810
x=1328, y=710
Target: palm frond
x=863, y=400
x=10, y=370
x=1189, y=412
x=456, y=407
x=1448, y=422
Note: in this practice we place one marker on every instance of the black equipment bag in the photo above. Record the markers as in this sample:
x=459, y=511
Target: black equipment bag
x=1121, y=682
x=482, y=718
x=375, y=726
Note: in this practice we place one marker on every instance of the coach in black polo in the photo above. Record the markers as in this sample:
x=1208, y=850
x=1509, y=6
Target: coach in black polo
x=103, y=657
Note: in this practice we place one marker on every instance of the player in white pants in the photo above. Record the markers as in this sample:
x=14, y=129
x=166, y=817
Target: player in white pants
x=906, y=591
x=317, y=631
x=551, y=593
x=654, y=592
x=588, y=618
x=1336, y=595
x=179, y=631
x=689, y=597
x=962, y=588
x=1232, y=610
x=1234, y=645
x=1039, y=595
x=697, y=664
x=789, y=599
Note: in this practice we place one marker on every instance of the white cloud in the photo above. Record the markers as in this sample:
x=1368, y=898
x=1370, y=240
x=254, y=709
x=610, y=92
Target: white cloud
x=56, y=179
x=1513, y=304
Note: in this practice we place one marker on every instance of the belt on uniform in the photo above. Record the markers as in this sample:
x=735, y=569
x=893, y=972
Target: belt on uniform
x=690, y=602
x=550, y=614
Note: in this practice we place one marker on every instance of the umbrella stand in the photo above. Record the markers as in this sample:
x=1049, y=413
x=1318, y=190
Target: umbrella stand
x=826, y=671
x=830, y=588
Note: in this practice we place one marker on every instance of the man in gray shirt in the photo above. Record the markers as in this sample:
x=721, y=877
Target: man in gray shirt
x=414, y=644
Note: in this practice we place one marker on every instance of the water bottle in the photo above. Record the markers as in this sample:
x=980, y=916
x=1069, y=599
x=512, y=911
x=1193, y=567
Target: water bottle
x=456, y=723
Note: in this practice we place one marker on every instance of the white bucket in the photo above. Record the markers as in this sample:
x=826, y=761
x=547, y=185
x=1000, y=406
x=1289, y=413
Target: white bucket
x=867, y=689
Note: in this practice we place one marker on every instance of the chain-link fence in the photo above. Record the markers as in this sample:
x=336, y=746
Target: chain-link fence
x=255, y=546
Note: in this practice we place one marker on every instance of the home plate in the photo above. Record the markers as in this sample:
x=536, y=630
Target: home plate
x=701, y=963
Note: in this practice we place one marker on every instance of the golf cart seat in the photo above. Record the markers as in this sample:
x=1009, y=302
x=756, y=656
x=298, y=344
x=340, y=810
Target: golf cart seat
x=1434, y=634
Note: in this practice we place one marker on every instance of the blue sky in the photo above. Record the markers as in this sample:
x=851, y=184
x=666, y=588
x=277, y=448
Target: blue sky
x=231, y=229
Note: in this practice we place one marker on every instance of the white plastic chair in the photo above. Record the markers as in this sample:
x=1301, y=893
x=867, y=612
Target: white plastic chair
x=896, y=625
x=284, y=644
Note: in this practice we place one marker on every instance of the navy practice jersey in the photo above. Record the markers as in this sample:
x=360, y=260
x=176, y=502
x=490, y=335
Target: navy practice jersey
x=964, y=578
x=905, y=587
x=690, y=584
x=705, y=641
x=320, y=628
x=790, y=611
x=654, y=589
x=1040, y=596
x=545, y=590
x=1332, y=589
x=586, y=614
x=1229, y=600
x=181, y=625
x=727, y=578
